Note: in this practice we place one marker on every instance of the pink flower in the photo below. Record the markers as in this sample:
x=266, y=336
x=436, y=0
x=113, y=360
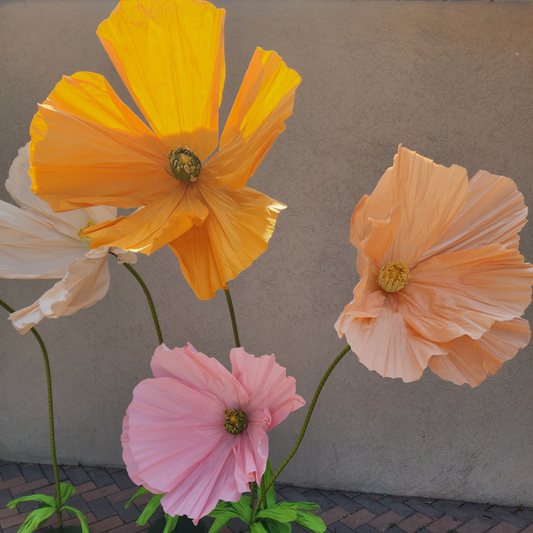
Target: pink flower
x=198, y=433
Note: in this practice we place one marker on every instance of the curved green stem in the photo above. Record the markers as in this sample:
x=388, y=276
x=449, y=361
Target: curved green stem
x=149, y=298
x=304, y=428
x=252, y=494
x=50, y=415
x=233, y=319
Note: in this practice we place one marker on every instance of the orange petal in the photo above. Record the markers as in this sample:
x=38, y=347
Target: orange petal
x=237, y=231
x=89, y=149
x=388, y=345
x=265, y=100
x=430, y=196
x=170, y=55
x=153, y=226
x=494, y=213
x=471, y=361
x=464, y=293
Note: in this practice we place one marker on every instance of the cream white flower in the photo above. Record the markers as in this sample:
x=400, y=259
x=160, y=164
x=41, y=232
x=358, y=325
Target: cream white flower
x=37, y=243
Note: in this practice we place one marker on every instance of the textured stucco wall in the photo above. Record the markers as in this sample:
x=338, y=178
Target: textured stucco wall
x=452, y=81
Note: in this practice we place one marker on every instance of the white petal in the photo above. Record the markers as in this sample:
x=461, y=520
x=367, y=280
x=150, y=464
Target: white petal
x=124, y=256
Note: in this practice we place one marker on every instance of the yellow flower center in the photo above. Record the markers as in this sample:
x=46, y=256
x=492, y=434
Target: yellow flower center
x=83, y=238
x=394, y=276
x=184, y=164
x=235, y=421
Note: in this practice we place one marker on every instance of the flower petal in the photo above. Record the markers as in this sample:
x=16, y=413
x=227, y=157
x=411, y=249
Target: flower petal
x=125, y=165
x=494, y=213
x=265, y=100
x=388, y=345
x=237, y=231
x=153, y=226
x=180, y=445
x=267, y=384
x=472, y=361
x=85, y=283
x=200, y=372
x=464, y=293
x=170, y=55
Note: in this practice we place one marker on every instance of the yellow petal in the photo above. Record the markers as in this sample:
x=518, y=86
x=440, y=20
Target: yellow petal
x=88, y=149
x=153, y=226
x=237, y=231
x=170, y=55
x=265, y=100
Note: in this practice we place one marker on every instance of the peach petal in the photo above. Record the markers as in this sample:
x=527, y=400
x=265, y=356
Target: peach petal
x=472, y=361
x=464, y=293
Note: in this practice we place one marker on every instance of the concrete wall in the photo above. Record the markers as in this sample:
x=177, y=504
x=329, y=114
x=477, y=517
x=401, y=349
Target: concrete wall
x=450, y=80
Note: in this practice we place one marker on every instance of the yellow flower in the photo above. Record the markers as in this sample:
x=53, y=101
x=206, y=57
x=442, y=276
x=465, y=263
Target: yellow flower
x=88, y=148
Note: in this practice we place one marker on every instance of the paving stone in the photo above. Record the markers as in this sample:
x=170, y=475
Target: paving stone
x=236, y=525
x=339, y=527
x=444, y=524
x=333, y=515
x=27, y=506
x=5, y=498
x=32, y=473
x=414, y=522
x=100, y=493
x=344, y=502
x=78, y=475
x=401, y=499
x=369, y=503
x=394, y=529
x=279, y=497
x=358, y=519
x=122, y=479
x=366, y=529
x=350, y=494
x=48, y=471
x=123, y=495
x=128, y=515
x=292, y=494
x=505, y=527
x=386, y=520
x=25, y=487
x=529, y=529
x=10, y=471
x=474, y=526
x=128, y=528
x=527, y=513
x=4, y=513
x=477, y=512
x=418, y=505
x=100, y=477
x=157, y=515
x=79, y=503
x=9, y=483
x=317, y=497
x=397, y=507
x=508, y=516
x=13, y=529
x=105, y=525
x=447, y=507
x=102, y=509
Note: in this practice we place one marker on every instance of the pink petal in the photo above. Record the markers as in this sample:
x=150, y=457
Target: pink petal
x=200, y=372
x=464, y=293
x=388, y=345
x=266, y=384
x=471, y=361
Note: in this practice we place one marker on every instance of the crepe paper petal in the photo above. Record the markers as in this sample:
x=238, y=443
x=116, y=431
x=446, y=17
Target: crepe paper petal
x=472, y=361
x=464, y=293
x=175, y=438
x=155, y=225
x=442, y=282
x=83, y=130
x=494, y=213
x=170, y=56
x=237, y=231
x=265, y=100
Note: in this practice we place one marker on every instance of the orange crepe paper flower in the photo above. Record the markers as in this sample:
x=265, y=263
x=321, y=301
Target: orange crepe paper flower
x=442, y=282
x=88, y=148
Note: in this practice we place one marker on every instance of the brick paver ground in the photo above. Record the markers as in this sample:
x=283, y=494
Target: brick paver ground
x=102, y=492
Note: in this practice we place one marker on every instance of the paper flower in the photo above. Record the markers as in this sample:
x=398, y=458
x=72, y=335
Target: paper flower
x=198, y=433
x=89, y=149
x=36, y=243
x=442, y=282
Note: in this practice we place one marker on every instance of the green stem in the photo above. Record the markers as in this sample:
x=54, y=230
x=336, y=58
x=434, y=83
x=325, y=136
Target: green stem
x=304, y=428
x=149, y=298
x=263, y=491
x=233, y=320
x=252, y=494
x=50, y=415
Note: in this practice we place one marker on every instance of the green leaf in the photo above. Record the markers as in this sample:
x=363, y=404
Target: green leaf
x=141, y=492
x=257, y=527
x=310, y=521
x=280, y=514
x=222, y=507
x=308, y=506
x=36, y=519
x=171, y=522
x=242, y=508
x=271, y=493
x=277, y=527
x=47, y=501
x=150, y=509
x=66, y=491
x=80, y=515
x=220, y=522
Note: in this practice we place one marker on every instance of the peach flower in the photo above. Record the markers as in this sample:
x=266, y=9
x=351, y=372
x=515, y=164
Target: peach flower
x=442, y=283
